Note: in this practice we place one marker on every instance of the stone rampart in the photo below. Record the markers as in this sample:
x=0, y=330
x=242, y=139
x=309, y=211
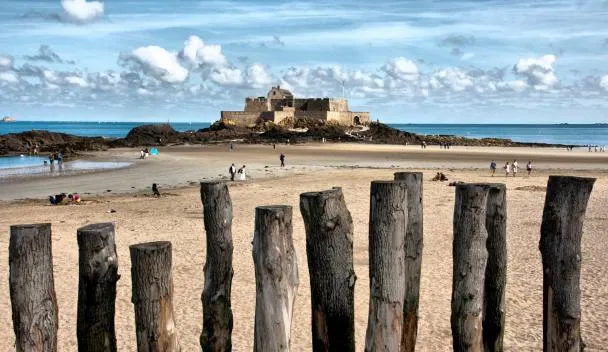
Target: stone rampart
x=256, y=105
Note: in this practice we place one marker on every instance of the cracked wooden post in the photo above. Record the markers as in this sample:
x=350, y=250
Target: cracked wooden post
x=98, y=274
x=413, y=257
x=32, y=288
x=329, y=249
x=496, y=269
x=217, y=313
x=387, y=228
x=560, y=247
x=469, y=255
x=152, y=298
x=276, y=278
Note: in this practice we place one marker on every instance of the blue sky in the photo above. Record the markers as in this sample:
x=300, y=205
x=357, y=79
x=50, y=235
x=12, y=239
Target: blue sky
x=448, y=61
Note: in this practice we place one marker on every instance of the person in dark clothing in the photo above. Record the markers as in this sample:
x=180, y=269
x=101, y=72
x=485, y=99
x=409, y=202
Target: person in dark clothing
x=282, y=158
x=155, y=190
x=232, y=171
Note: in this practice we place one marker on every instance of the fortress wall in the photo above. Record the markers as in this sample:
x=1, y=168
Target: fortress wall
x=364, y=118
x=300, y=104
x=338, y=105
x=347, y=117
x=276, y=104
x=256, y=106
x=318, y=104
x=319, y=115
x=241, y=118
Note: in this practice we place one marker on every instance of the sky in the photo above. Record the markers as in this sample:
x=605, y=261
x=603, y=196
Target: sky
x=423, y=61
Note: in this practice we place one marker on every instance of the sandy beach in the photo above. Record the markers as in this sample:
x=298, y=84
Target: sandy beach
x=177, y=217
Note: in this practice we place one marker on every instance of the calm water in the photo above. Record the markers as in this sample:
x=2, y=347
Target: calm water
x=21, y=166
x=559, y=134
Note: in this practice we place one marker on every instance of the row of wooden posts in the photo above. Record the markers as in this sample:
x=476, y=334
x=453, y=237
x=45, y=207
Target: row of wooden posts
x=395, y=254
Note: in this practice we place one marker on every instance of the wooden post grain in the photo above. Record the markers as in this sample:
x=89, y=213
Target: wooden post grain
x=329, y=249
x=469, y=255
x=276, y=278
x=387, y=229
x=98, y=274
x=496, y=269
x=217, y=313
x=560, y=247
x=153, y=297
x=32, y=288
x=413, y=257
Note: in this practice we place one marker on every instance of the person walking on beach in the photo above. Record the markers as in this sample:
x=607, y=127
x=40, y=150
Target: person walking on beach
x=515, y=167
x=51, y=158
x=507, y=169
x=493, y=167
x=231, y=146
x=241, y=172
x=529, y=167
x=282, y=158
x=59, y=158
x=232, y=171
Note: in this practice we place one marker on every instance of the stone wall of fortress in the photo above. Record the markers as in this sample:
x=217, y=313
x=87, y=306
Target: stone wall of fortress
x=243, y=118
x=321, y=104
x=246, y=118
x=256, y=105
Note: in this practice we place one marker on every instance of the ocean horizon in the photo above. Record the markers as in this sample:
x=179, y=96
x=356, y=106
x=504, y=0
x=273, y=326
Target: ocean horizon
x=568, y=134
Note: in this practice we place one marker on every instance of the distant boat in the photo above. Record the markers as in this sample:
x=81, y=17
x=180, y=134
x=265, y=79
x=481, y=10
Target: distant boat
x=8, y=119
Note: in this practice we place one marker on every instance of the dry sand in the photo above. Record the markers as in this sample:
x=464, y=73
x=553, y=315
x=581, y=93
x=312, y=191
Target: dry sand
x=178, y=217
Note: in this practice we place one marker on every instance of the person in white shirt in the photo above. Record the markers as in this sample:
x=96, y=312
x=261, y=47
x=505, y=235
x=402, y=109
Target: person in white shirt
x=507, y=169
x=529, y=167
x=515, y=166
x=241, y=172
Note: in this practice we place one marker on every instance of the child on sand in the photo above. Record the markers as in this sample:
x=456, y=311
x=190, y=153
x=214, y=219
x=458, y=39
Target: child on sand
x=507, y=168
x=529, y=167
x=515, y=167
x=493, y=167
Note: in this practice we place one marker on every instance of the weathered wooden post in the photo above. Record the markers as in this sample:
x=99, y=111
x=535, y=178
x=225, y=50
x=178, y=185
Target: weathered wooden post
x=387, y=228
x=32, y=288
x=98, y=274
x=329, y=249
x=496, y=269
x=217, y=313
x=560, y=247
x=413, y=257
x=276, y=278
x=469, y=255
x=152, y=298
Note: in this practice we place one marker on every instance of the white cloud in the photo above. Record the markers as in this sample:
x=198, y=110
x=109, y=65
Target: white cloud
x=158, y=62
x=604, y=83
x=258, y=76
x=82, y=10
x=401, y=69
x=451, y=78
x=198, y=53
x=226, y=76
x=6, y=62
x=9, y=76
x=76, y=81
x=539, y=72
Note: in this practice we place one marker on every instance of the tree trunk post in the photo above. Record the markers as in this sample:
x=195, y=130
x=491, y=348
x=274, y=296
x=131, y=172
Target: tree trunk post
x=152, y=298
x=496, y=269
x=32, y=288
x=469, y=255
x=387, y=230
x=276, y=278
x=217, y=313
x=98, y=274
x=560, y=247
x=413, y=257
x=329, y=249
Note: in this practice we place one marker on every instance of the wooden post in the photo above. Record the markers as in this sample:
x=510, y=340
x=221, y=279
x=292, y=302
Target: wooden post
x=153, y=297
x=217, y=313
x=98, y=274
x=276, y=278
x=387, y=228
x=32, y=288
x=496, y=269
x=560, y=247
x=413, y=258
x=469, y=255
x=329, y=249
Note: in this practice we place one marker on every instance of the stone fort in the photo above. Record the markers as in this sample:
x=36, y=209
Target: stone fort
x=280, y=105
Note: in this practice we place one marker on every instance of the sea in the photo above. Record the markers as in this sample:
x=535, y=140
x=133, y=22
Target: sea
x=568, y=134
